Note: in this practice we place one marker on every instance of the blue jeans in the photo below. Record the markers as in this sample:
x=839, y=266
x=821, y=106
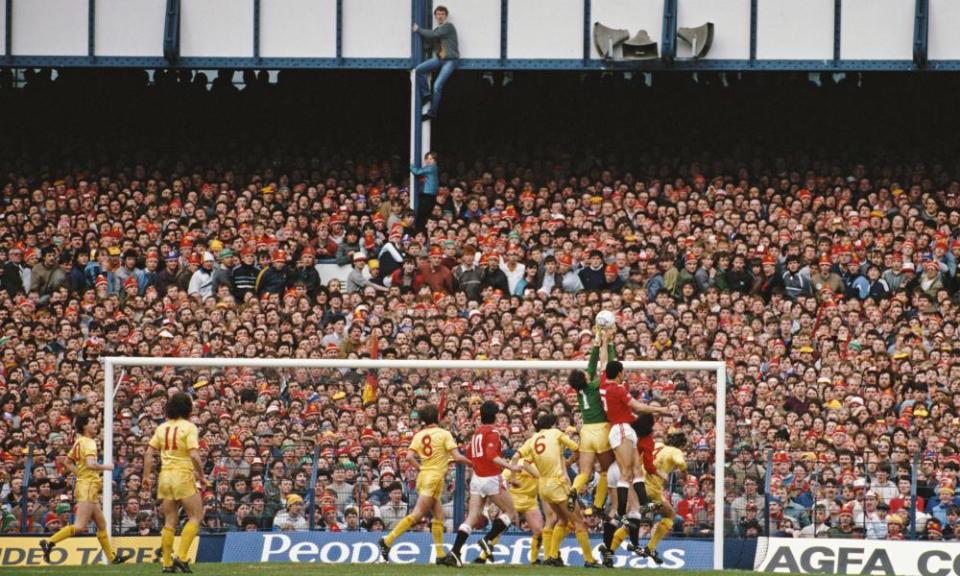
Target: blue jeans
x=446, y=68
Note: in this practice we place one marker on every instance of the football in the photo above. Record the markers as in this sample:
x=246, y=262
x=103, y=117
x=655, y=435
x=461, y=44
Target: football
x=605, y=319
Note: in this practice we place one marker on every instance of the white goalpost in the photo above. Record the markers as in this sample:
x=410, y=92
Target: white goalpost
x=112, y=363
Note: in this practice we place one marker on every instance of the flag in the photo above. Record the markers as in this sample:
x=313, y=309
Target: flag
x=370, y=386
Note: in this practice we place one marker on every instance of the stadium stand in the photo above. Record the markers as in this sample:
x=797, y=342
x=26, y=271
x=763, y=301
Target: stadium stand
x=823, y=273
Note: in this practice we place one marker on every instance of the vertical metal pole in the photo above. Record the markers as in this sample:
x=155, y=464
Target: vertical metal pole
x=458, y=494
x=753, y=29
x=913, y=496
x=8, y=25
x=312, y=491
x=92, y=29
x=587, y=16
x=416, y=125
x=27, y=473
x=767, y=477
x=256, y=30
x=720, y=456
x=504, y=15
x=339, y=32
x=837, y=15
x=108, y=446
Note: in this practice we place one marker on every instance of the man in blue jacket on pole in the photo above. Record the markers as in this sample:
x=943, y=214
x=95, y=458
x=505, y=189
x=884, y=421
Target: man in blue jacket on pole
x=431, y=183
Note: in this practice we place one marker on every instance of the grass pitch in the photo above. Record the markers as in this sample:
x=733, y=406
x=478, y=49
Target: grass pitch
x=287, y=569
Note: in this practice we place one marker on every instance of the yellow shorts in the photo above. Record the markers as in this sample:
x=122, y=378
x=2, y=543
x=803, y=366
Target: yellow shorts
x=430, y=484
x=595, y=438
x=88, y=491
x=524, y=503
x=554, y=490
x=654, y=486
x=176, y=485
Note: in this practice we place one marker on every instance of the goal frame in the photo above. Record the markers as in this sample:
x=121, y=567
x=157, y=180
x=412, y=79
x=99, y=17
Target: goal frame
x=111, y=363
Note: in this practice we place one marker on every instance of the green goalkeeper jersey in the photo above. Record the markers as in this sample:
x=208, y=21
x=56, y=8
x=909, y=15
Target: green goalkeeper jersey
x=591, y=406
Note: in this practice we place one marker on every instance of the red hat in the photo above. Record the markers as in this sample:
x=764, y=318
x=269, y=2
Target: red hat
x=825, y=259
x=780, y=457
x=279, y=255
x=194, y=260
x=100, y=281
x=611, y=269
x=234, y=442
x=130, y=282
x=436, y=251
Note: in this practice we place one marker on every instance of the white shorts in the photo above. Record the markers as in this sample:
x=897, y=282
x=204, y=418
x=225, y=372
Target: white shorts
x=621, y=432
x=485, y=485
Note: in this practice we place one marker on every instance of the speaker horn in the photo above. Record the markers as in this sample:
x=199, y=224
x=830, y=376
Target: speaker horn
x=640, y=47
x=699, y=38
x=605, y=39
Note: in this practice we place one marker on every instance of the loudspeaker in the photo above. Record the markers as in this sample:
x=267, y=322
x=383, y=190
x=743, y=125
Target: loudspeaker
x=699, y=38
x=640, y=47
x=605, y=39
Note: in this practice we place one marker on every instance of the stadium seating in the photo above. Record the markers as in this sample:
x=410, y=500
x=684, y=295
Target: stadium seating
x=828, y=286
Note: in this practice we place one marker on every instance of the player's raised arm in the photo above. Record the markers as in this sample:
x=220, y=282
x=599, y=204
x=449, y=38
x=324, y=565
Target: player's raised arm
x=641, y=408
x=596, y=355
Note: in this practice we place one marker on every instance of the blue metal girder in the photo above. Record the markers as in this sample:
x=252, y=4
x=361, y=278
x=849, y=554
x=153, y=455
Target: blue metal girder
x=668, y=39
x=921, y=32
x=26, y=61
x=837, y=16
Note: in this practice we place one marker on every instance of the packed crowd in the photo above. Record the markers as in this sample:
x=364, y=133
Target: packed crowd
x=829, y=291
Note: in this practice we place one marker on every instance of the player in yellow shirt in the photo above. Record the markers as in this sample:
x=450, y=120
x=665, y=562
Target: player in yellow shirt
x=545, y=450
x=667, y=458
x=436, y=449
x=181, y=470
x=523, y=489
x=82, y=462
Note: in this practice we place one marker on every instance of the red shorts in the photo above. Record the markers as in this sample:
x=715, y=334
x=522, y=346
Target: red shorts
x=645, y=448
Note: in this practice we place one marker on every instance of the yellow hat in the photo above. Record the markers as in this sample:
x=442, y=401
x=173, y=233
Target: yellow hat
x=373, y=264
x=216, y=245
x=294, y=499
x=834, y=404
x=200, y=383
x=113, y=251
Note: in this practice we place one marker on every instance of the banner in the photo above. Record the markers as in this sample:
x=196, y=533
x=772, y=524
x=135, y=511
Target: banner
x=80, y=551
x=880, y=557
x=417, y=548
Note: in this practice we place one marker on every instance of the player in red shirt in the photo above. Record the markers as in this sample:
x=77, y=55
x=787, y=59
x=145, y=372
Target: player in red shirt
x=621, y=409
x=486, y=483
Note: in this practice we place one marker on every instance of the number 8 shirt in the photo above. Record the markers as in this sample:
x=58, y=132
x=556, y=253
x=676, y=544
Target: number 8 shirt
x=174, y=439
x=434, y=446
x=484, y=447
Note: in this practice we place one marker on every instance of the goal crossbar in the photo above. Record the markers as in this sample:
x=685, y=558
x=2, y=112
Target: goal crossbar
x=110, y=363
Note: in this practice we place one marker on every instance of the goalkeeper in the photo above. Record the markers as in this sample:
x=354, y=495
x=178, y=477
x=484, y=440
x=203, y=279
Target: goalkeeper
x=595, y=430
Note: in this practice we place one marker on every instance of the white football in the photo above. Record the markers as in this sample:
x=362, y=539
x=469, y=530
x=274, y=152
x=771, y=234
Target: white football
x=605, y=319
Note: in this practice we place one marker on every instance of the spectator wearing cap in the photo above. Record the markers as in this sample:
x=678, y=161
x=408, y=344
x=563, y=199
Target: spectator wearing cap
x=394, y=509
x=435, y=274
x=875, y=516
x=391, y=254
x=222, y=274
x=291, y=519
x=244, y=275
x=493, y=276
x=275, y=278
x=356, y=281
x=201, y=282
x=148, y=275
x=944, y=501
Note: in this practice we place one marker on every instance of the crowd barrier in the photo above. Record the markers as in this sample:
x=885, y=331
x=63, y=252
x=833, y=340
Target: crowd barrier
x=24, y=551
x=875, y=557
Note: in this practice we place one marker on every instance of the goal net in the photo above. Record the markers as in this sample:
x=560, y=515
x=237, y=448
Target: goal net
x=295, y=449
